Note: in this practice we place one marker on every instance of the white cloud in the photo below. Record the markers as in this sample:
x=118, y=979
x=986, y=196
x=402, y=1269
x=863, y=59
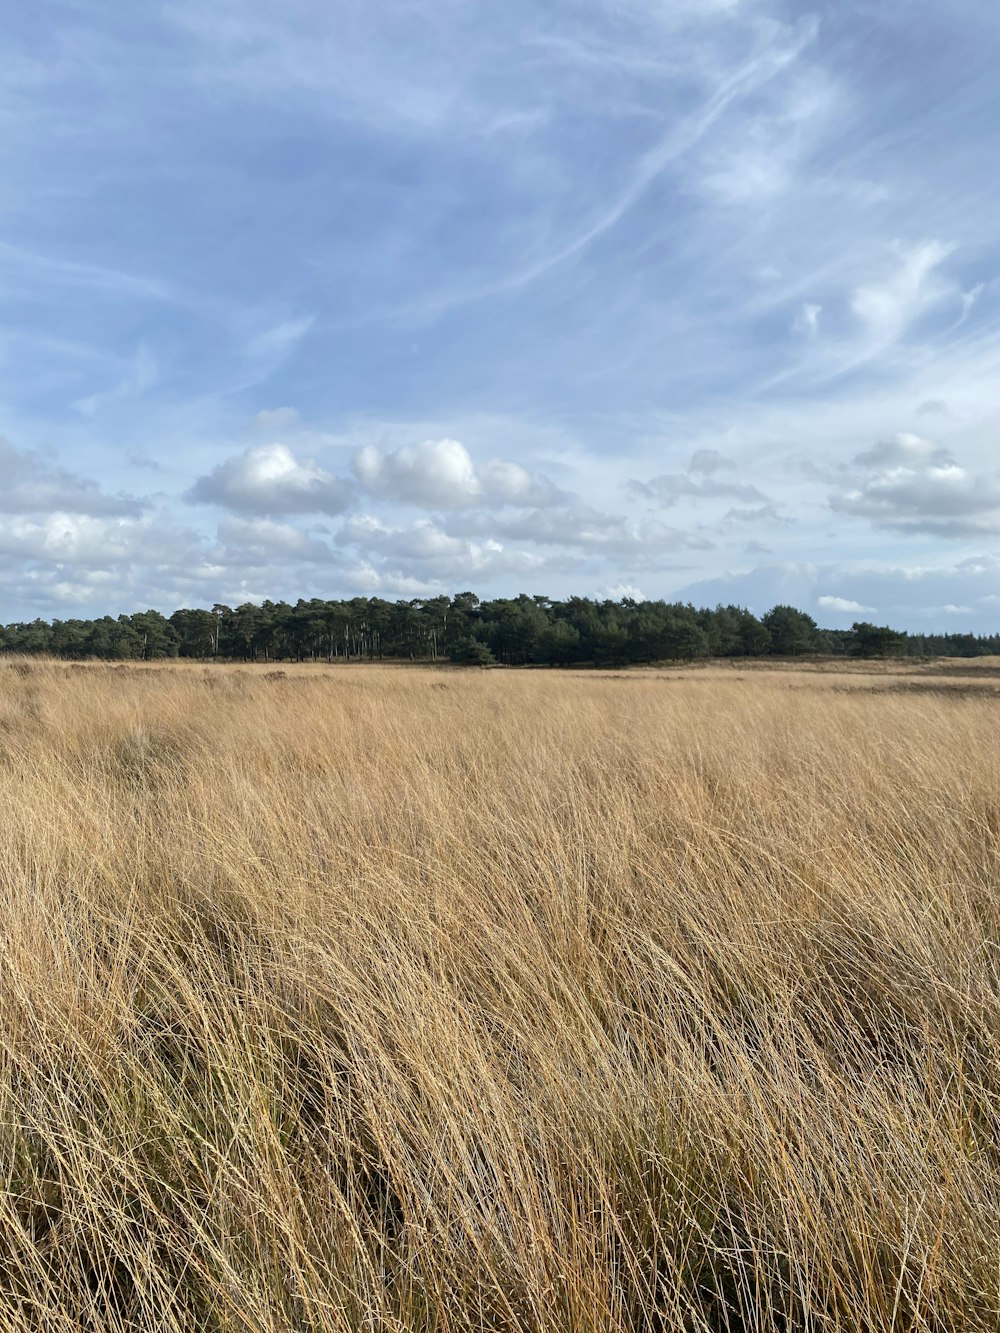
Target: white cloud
x=278, y=342
x=83, y=539
x=910, y=485
x=707, y=461
x=440, y=474
x=969, y=299
x=261, y=540
x=764, y=513
x=698, y=482
x=426, y=548
x=373, y=581
x=807, y=320
x=139, y=376
x=761, y=156
x=584, y=527
x=267, y=480
x=31, y=483
x=841, y=604
x=879, y=313
x=671, y=488
x=905, y=450
x=887, y=306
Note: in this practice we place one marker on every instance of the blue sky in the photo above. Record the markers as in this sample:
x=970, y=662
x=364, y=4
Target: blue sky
x=697, y=299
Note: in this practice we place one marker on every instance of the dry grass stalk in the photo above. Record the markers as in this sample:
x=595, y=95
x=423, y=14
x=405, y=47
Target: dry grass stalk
x=409, y=1000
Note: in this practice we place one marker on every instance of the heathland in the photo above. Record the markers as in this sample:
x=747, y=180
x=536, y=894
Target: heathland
x=359, y=998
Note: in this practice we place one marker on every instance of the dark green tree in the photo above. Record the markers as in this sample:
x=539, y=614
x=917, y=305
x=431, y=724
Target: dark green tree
x=472, y=652
x=196, y=632
x=876, y=640
x=154, y=634
x=792, y=632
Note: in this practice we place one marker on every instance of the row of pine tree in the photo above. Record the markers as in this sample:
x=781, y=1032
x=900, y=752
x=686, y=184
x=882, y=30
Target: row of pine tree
x=514, y=631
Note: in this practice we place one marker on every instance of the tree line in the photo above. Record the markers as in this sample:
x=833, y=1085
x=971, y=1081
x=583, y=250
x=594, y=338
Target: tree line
x=512, y=631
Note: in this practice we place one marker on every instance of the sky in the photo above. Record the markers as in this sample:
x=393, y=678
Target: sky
x=694, y=299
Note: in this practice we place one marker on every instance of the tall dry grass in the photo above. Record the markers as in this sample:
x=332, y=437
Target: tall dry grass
x=370, y=999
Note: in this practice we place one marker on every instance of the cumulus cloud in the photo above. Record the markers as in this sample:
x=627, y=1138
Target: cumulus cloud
x=583, y=527
x=618, y=592
x=31, y=483
x=426, y=547
x=371, y=581
x=843, y=604
x=268, y=480
x=261, y=540
x=84, y=539
x=910, y=485
x=441, y=474
x=905, y=450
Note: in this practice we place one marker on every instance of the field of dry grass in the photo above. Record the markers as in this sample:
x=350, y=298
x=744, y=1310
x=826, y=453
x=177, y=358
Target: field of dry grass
x=392, y=999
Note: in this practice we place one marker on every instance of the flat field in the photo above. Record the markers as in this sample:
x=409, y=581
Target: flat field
x=361, y=998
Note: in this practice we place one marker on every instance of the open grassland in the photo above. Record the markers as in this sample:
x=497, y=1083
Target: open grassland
x=399, y=999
